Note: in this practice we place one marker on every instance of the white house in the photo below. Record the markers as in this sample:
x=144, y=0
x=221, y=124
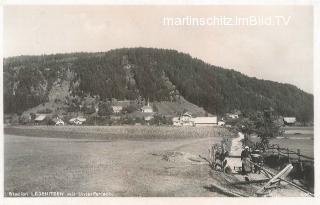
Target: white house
x=147, y=109
x=221, y=123
x=186, y=119
x=205, y=121
x=289, y=120
x=176, y=121
x=40, y=118
x=117, y=109
x=77, y=120
x=59, y=122
x=186, y=116
x=148, y=118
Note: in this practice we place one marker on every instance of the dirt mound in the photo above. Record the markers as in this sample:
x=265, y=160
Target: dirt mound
x=184, y=157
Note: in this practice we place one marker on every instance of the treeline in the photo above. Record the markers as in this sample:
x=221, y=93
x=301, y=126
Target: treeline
x=154, y=74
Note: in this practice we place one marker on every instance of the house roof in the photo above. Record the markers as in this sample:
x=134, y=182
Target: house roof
x=40, y=117
x=205, y=120
x=59, y=121
x=117, y=107
x=187, y=114
x=80, y=119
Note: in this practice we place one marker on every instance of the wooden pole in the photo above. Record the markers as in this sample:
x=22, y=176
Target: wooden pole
x=287, y=169
x=292, y=184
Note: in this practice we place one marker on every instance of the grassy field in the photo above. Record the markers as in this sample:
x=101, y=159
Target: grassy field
x=297, y=138
x=118, y=161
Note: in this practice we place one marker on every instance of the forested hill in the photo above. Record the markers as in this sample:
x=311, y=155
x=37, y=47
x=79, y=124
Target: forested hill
x=154, y=74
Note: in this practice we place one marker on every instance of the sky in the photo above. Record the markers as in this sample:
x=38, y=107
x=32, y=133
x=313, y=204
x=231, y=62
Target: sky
x=282, y=53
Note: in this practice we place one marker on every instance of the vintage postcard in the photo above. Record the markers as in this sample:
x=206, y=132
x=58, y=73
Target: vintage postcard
x=141, y=100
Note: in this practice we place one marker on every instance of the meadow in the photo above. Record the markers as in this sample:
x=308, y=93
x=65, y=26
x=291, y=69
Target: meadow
x=117, y=161
x=297, y=138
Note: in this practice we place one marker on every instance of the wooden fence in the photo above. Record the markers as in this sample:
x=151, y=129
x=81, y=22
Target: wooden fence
x=291, y=155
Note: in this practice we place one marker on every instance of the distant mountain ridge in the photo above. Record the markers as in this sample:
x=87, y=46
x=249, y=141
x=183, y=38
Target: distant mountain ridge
x=148, y=73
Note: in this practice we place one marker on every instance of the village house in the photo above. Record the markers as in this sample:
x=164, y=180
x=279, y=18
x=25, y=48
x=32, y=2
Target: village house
x=289, y=120
x=40, y=118
x=147, y=109
x=148, y=118
x=176, y=121
x=77, y=120
x=205, y=121
x=187, y=120
x=58, y=121
x=221, y=123
x=117, y=109
x=184, y=120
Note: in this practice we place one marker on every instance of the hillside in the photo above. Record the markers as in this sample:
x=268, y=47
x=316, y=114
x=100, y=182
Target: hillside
x=143, y=73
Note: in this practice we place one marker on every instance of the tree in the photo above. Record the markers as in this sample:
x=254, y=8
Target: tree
x=264, y=124
x=105, y=109
x=130, y=108
x=154, y=108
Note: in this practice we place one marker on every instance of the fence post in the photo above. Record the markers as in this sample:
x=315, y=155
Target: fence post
x=300, y=163
x=278, y=148
x=288, y=155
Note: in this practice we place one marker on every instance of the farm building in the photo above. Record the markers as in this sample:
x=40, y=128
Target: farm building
x=40, y=118
x=77, y=120
x=289, y=120
x=205, y=121
x=117, y=109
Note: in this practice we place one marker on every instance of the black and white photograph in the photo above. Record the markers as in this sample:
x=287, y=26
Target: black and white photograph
x=141, y=100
